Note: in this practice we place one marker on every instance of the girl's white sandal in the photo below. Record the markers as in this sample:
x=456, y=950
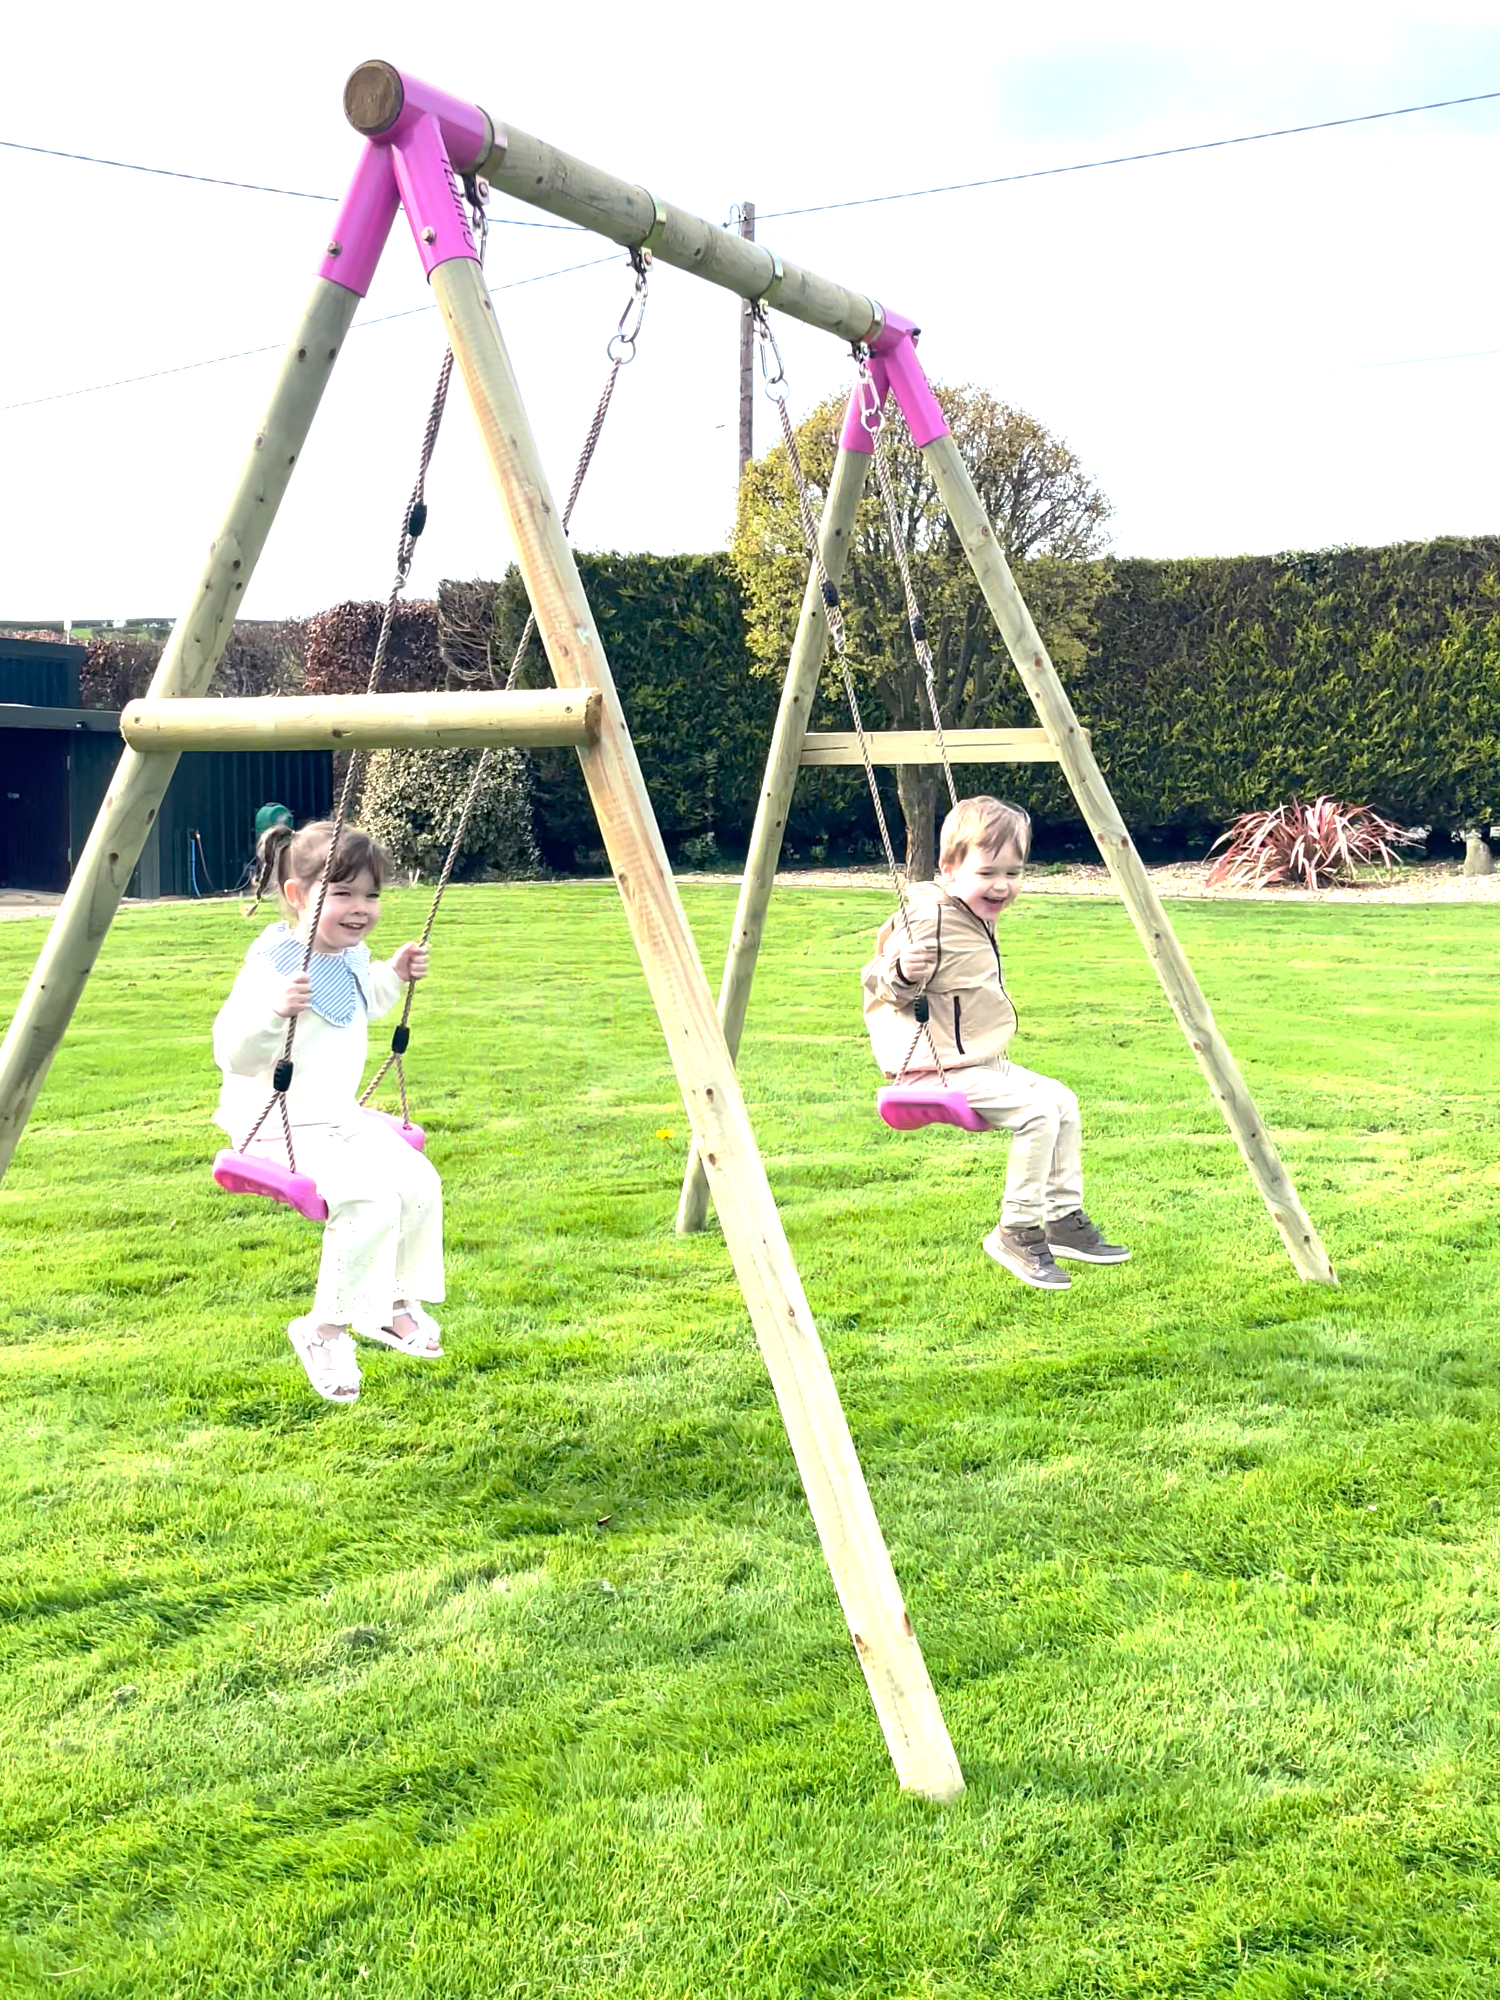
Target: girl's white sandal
x=423, y=1342
x=330, y=1363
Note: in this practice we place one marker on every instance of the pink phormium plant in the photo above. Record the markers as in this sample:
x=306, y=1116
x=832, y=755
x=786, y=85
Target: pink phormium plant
x=1312, y=846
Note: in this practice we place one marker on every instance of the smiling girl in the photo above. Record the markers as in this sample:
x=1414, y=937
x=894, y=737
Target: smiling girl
x=383, y=1241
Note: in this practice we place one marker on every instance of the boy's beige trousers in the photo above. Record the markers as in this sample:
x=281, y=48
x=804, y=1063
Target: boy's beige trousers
x=1044, y=1178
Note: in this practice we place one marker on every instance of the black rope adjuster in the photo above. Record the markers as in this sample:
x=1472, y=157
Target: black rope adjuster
x=400, y=1039
x=281, y=1078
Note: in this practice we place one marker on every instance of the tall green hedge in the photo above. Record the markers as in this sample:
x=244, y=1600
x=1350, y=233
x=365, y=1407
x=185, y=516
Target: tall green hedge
x=1211, y=686
x=1214, y=686
x=674, y=632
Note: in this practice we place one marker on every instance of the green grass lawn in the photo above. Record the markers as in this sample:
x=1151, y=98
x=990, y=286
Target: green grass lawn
x=524, y=1677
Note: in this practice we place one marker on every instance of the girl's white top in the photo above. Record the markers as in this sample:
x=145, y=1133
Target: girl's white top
x=328, y=1055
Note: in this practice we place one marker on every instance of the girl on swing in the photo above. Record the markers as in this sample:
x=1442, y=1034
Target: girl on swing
x=383, y=1241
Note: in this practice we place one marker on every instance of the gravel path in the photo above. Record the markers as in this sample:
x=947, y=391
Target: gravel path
x=1427, y=882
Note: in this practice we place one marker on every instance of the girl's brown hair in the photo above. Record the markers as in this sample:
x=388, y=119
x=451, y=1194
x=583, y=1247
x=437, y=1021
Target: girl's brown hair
x=283, y=854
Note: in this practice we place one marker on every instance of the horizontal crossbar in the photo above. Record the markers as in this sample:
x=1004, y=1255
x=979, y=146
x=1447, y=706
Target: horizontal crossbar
x=528, y=719
x=920, y=746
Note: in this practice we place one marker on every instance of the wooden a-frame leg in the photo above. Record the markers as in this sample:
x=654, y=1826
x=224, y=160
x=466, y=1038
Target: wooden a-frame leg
x=809, y=648
x=966, y=511
x=835, y=1486
x=140, y=781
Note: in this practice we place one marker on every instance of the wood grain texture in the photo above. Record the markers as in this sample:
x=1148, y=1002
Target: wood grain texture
x=528, y=718
x=140, y=782
x=555, y=181
x=1124, y=864
x=920, y=746
x=857, y=1558
x=809, y=648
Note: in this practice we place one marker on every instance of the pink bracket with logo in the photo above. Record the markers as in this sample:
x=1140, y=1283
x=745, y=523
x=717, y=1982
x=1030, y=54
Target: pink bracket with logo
x=416, y=162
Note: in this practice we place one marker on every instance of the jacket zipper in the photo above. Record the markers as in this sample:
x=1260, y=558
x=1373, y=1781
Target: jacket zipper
x=958, y=1040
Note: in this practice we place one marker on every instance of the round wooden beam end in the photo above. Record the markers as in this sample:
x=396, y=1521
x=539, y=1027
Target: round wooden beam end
x=373, y=98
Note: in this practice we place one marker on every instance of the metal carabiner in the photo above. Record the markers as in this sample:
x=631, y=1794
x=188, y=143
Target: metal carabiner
x=773, y=386
x=871, y=412
x=477, y=192
x=620, y=347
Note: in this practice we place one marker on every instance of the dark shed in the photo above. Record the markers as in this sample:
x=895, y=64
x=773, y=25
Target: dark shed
x=56, y=760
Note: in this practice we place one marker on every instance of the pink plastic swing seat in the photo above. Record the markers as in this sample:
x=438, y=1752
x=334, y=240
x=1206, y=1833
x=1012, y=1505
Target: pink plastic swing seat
x=906, y=1107
x=249, y=1173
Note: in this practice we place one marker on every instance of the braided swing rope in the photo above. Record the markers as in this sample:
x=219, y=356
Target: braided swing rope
x=774, y=386
x=413, y=521
x=621, y=349
x=872, y=416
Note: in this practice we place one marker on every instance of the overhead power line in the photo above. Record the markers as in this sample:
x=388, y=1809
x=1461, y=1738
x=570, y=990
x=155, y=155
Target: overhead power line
x=1130, y=159
x=213, y=180
x=166, y=173
x=275, y=346
x=856, y=201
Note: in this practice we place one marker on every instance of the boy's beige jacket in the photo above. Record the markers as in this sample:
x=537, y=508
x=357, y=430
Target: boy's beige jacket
x=971, y=1018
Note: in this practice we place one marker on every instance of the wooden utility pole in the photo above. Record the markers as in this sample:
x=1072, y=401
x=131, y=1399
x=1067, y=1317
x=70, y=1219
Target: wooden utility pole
x=747, y=358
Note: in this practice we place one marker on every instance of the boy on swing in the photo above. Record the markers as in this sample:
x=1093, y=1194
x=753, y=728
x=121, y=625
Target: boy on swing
x=951, y=956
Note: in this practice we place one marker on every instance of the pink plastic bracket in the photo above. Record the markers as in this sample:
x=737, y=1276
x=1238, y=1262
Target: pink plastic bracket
x=364, y=223
x=906, y=1107
x=432, y=197
x=411, y=164
x=896, y=371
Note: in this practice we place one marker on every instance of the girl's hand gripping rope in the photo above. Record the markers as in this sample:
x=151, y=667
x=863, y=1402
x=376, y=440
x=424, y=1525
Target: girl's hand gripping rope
x=411, y=962
x=295, y=997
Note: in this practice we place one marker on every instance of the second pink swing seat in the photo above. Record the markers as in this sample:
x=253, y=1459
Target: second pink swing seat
x=247, y=1173
x=906, y=1107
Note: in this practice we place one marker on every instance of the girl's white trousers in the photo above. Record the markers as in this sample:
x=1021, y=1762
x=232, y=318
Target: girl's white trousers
x=383, y=1239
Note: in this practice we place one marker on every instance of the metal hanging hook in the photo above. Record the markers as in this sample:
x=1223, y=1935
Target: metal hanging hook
x=773, y=386
x=871, y=402
x=620, y=346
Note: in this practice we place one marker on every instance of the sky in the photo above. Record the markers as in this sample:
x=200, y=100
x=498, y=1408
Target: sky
x=1290, y=344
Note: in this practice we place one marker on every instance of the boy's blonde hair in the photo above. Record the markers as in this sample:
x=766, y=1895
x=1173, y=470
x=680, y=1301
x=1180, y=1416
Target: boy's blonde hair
x=988, y=824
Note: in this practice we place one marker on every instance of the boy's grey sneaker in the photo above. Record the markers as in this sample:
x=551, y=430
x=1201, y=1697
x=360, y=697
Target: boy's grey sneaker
x=1024, y=1252
x=1075, y=1236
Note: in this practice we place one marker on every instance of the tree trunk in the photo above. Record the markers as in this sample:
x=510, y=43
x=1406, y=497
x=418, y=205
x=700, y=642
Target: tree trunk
x=917, y=789
x=1478, y=859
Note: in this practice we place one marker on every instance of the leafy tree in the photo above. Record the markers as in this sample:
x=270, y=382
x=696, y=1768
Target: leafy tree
x=411, y=801
x=1048, y=514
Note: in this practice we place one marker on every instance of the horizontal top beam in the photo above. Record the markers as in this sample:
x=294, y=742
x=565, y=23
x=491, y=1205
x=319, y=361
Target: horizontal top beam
x=392, y=108
x=629, y=214
x=920, y=746
x=529, y=718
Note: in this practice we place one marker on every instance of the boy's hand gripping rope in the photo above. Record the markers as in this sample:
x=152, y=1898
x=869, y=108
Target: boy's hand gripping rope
x=621, y=351
x=774, y=385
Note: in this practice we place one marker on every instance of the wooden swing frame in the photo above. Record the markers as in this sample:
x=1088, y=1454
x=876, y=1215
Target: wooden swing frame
x=898, y=374
x=420, y=142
